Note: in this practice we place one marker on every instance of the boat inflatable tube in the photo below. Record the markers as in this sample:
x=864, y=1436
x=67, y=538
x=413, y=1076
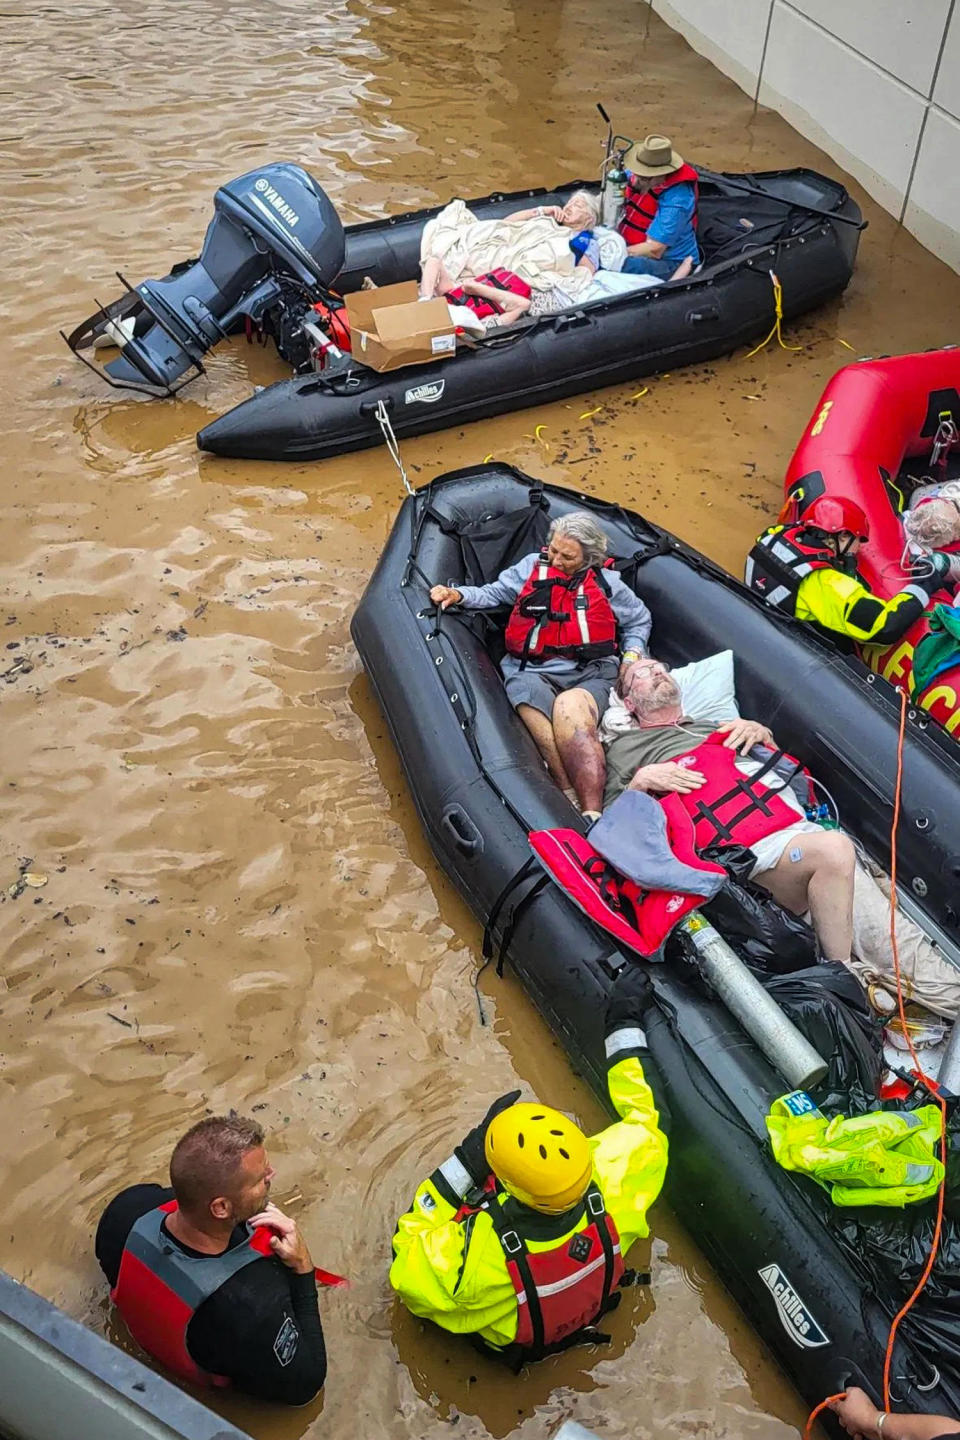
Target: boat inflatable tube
x=796, y=223
x=873, y=423
x=822, y=1291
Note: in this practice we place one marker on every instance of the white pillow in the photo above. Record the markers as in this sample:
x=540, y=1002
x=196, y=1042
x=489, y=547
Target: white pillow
x=706, y=692
x=612, y=247
x=707, y=689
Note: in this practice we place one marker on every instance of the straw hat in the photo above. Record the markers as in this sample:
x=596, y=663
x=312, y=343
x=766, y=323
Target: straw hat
x=653, y=156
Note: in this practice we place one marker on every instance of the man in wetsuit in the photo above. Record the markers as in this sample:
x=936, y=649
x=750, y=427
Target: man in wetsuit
x=809, y=569
x=212, y=1280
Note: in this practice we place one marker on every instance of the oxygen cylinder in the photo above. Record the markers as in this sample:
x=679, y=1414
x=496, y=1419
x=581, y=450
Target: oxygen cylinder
x=611, y=196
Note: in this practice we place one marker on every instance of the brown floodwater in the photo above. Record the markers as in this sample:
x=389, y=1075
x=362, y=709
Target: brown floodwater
x=240, y=908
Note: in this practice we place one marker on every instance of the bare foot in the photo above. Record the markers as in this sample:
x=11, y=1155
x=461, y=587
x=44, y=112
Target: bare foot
x=683, y=269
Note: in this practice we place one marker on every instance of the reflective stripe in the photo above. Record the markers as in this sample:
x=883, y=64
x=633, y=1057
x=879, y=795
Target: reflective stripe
x=748, y=570
x=918, y=1174
x=777, y=595
x=569, y=1280
x=581, y=615
x=918, y=593
x=457, y=1176
x=630, y=1037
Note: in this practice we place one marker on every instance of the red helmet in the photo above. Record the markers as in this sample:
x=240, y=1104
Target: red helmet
x=836, y=515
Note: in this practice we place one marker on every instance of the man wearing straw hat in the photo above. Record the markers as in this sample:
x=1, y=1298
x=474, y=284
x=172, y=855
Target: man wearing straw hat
x=660, y=209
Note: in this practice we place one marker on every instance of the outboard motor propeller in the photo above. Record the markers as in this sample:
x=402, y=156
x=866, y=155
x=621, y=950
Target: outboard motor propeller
x=274, y=229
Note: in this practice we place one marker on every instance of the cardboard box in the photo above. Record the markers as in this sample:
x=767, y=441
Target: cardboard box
x=390, y=327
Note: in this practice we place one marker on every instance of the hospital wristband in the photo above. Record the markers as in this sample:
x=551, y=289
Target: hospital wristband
x=630, y=655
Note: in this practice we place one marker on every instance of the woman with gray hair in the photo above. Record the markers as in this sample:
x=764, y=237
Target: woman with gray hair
x=573, y=626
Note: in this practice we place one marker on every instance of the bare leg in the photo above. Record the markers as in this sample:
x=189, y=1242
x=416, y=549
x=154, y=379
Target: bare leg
x=575, y=717
x=542, y=732
x=821, y=881
x=512, y=306
x=430, y=274
x=683, y=269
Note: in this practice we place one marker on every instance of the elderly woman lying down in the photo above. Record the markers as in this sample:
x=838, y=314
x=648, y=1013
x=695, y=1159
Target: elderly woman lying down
x=500, y=297
x=534, y=243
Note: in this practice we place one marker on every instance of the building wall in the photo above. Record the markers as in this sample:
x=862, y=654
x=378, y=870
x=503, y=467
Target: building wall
x=875, y=83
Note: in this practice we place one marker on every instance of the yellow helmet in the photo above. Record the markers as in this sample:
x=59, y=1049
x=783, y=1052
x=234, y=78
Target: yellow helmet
x=539, y=1156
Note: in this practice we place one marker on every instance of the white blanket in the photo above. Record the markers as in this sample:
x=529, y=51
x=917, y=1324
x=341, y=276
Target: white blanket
x=538, y=250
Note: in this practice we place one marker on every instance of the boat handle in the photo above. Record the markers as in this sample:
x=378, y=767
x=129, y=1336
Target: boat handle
x=700, y=317
x=577, y=317
x=465, y=835
x=369, y=407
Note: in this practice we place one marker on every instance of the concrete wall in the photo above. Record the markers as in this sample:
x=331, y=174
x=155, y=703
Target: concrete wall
x=875, y=83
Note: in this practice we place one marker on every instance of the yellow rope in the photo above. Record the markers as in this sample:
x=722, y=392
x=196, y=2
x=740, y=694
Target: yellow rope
x=778, y=319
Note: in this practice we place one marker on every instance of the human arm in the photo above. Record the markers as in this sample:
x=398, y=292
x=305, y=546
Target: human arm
x=654, y=248
x=502, y=591
x=508, y=302
x=553, y=212
x=858, y=1415
x=262, y=1328
x=844, y=604
x=633, y=620
x=630, y=1157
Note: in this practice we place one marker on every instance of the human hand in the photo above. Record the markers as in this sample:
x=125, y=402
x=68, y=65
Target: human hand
x=630, y=998
x=286, y=1242
x=742, y=735
x=666, y=778
x=857, y=1413
x=444, y=595
x=470, y=1152
x=555, y=212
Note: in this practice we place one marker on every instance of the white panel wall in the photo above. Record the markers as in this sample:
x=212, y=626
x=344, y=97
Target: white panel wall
x=876, y=83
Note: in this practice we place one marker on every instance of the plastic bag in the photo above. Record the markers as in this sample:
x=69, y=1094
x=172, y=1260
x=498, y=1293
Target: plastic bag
x=828, y=1006
x=770, y=939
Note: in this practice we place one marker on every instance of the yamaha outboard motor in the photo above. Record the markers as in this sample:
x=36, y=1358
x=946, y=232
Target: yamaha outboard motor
x=275, y=243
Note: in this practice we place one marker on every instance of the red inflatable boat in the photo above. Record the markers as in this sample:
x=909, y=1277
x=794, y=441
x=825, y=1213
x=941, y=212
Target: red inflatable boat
x=882, y=427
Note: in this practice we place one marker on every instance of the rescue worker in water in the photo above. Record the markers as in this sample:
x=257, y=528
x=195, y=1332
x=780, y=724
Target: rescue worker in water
x=574, y=625
x=213, y=1280
x=518, y=1239
x=809, y=569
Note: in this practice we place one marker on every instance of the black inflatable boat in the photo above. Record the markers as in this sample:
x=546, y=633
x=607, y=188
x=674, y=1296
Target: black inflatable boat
x=821, y=1285
x=795, y=223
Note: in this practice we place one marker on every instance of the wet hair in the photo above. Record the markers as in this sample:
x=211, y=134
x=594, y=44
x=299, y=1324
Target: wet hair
x=205, y=1161
x=933, y=524
x=580, y=525
x=591, y=201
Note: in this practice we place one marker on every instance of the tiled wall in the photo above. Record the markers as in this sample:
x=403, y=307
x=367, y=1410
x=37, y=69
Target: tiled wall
x=875, y=83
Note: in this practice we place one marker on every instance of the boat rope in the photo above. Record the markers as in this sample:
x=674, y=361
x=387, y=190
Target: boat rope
x=923, y=1080
x=392, y=444
x=777, y=320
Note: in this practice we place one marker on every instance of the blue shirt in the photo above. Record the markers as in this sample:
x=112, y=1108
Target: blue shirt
x=673, y=223
x=633, y=617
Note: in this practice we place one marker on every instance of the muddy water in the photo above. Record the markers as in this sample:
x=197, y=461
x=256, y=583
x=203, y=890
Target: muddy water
x=240, y=909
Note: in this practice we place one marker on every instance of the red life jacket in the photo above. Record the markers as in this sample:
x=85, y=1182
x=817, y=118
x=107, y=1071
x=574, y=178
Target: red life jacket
x=561, y=1291
x=558, y=615
x=482, y=308
x=640, y=207
x=160, y=1288
x=779, y=563
x=730, y=809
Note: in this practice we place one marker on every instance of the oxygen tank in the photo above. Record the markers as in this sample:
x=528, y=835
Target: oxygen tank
x=612, y=194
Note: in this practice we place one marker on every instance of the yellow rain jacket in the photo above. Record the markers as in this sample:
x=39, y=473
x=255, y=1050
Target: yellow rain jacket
x=885, y=1158
x=453, y=1272
x=843, y=603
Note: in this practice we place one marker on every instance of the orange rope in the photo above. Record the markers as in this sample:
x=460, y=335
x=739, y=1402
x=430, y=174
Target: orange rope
x=925, y=1080
x=824, y=1405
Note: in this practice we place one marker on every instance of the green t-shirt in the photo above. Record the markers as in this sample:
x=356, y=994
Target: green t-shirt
x=634, y=748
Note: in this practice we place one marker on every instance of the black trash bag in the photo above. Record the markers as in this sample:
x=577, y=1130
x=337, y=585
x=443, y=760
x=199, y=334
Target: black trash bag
x=828, y=1006
x=768, y=938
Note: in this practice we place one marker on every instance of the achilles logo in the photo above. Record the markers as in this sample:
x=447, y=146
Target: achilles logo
x=794, y=1315
x=687, y=761
x=425, y=394
x=286, y=211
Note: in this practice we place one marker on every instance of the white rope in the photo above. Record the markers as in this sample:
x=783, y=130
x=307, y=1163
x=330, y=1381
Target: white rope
x=392, y=444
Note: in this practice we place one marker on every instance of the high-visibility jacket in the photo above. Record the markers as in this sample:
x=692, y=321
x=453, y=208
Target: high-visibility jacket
x=800, y=580
x=479, y=304
x=450, y=1266
x=562, y=616
x=640, y=206
x=887, y=1157
x=159, y=1289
